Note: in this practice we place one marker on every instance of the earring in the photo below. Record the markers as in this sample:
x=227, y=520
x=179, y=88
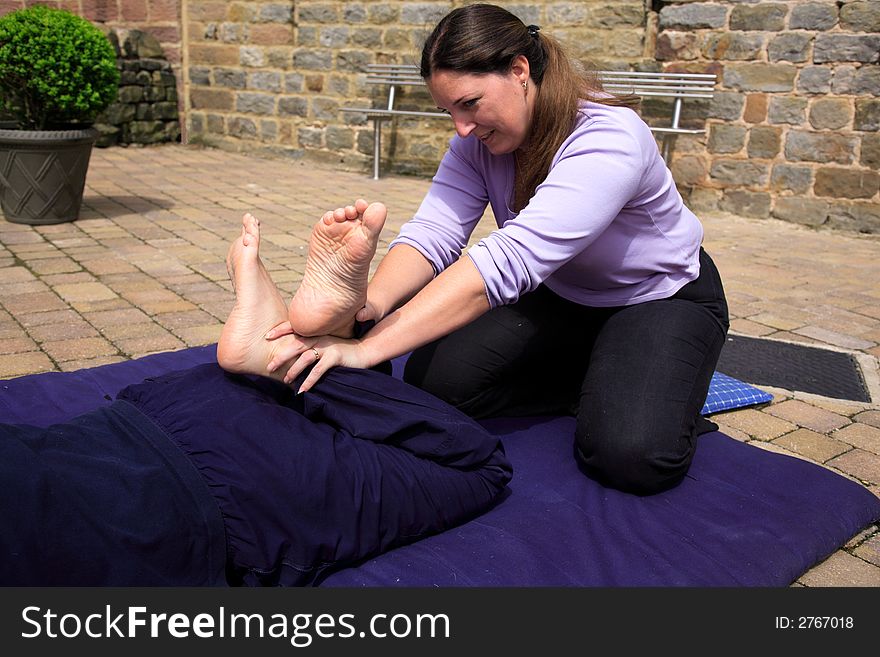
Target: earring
x=525, y=85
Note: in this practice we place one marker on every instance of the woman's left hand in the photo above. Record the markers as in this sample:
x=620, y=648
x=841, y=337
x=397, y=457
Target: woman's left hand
x=327, y=352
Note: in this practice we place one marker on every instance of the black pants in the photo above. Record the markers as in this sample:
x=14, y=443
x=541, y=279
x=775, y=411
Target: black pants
x=635, y=376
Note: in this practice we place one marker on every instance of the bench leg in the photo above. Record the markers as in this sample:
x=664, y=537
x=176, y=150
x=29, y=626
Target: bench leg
x=667, y=147
x=377, y=146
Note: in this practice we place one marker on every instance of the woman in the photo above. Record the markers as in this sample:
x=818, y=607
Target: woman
x=593, y=296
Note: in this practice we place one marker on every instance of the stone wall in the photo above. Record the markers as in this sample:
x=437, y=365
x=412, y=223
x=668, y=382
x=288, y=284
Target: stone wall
x=793, y=133
x=272, y=76
x=146, y=107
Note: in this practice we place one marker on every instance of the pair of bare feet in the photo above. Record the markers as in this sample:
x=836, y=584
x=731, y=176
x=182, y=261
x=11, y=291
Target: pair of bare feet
x=333, y=290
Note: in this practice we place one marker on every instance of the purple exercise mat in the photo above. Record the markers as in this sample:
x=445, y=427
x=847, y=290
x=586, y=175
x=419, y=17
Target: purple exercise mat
x=743, y=516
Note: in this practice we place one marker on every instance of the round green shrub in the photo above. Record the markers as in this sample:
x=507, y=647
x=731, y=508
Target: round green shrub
x=56, y=69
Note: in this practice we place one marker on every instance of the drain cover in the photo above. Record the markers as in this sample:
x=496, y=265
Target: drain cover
x=793, y=367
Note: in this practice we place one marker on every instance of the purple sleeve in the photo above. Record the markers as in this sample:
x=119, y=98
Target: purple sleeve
x=450, y=211
x=593, y=176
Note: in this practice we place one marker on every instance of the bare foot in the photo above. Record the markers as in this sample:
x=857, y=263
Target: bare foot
x=334, y=286
x=242, y=347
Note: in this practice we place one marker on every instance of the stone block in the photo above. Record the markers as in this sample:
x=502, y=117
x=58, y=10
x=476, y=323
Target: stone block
x=764, y=16
x=318, y=13
x=276, y=13
x=333, y=37
x=216, y=99
x=806, y=211
x=423, y=13
x=789, y=46
x=870, y=153
x=855, y=216
x=726, y=138
x=756, y=108
x=242, y=128
x=726, y=105
x=233, y=78
x=312, y=60
x=293, y=106
x=354, y=61
x=268, y=129
x=672, y=46
x=805, y=146
x=253, y=56
x=860, y=16
x=367, y=37
x=255, y=103
x=293, y=82
x=264, y=80
x=315, y=83
x=791, y=178
x=733, y=46
x=764, y=142
x=787, y=109
x=846, y=48
x=382, y=13
x=760, y=77
x=745, y=203
x=739, y=172
x=354, y=13
x=609, y=17
x=689, y=169
x=814, y=80
x=339, y=138
x=830, y=113
x=692, y=16
x=132, y=94
x=310, y=137
x=867, y=114
x=846, y=183
x=325, y=108
x=817, y=16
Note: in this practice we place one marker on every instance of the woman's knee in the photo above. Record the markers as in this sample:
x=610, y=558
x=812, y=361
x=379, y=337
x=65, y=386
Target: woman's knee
x=642, y=465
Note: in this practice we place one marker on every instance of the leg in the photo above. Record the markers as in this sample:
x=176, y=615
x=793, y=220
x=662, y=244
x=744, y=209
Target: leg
x=258, y=307
x=334, y=286
x=648, y=376
x=510, y=361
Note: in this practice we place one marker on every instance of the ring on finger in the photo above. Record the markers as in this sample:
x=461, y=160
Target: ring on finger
x=317, y=355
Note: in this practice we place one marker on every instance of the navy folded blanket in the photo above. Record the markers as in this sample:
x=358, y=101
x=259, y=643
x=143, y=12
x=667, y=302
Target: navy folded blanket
x=743, y=516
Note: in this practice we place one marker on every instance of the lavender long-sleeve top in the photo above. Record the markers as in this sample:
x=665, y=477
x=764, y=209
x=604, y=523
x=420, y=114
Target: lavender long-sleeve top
x=607, y=227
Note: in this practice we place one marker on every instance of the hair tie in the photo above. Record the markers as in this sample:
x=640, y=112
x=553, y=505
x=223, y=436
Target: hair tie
x=533, y=30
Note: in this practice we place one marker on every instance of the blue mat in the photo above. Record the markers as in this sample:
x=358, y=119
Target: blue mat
x=742, y=517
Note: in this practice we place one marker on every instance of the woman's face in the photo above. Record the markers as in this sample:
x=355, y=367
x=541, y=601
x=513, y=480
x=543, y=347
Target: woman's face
x=494, y=107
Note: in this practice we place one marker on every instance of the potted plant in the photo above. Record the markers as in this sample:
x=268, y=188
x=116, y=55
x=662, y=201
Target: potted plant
x=57, y=72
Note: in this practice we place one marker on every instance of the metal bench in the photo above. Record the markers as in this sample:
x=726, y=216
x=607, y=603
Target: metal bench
x=677, y=86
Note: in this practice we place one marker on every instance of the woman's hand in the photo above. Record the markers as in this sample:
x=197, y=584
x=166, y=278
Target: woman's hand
x=327, y=352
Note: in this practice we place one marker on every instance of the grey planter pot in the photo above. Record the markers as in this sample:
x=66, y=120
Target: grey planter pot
x=43, y=174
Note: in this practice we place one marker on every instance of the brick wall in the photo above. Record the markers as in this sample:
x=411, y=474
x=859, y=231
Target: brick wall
x=794, y=132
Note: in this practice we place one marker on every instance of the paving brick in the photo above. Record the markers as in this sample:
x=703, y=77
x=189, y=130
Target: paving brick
x=85, y=292
x=871, y=417
x=185, y=319
x=842, y=569
x=17, y=345
x=74, y=365
x=869, y=550
x=805, y=415
x=53, y=265
x=812, y=445
x=21, y=304
x=756, y=424
x=860, y=435
x=78, y=348
x=32, y=362
x=863, y=465
x=67, y=330
x=137, y=347
x=195, y=336
x=128, y=331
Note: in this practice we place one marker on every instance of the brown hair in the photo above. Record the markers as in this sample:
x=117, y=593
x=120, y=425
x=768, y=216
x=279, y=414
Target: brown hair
x=483, y=39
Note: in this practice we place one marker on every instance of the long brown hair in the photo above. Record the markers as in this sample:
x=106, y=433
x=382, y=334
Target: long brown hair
x=484, y=38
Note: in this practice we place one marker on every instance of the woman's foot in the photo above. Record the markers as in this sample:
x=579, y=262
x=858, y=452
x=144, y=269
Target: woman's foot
x=258, y=307
x=334, y=286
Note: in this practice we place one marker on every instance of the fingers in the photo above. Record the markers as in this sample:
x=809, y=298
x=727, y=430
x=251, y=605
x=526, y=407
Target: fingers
x=284, y=328
x=320, y=368
x=293, y=350
x=305, y=360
